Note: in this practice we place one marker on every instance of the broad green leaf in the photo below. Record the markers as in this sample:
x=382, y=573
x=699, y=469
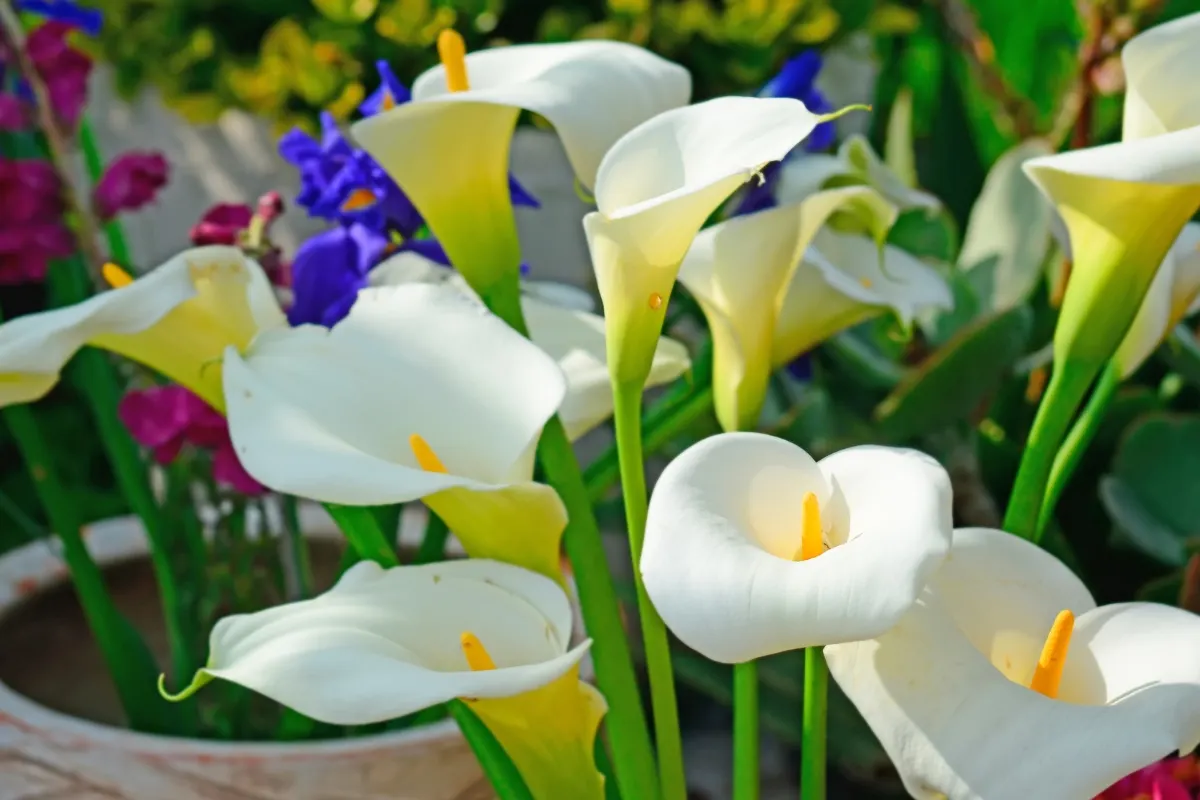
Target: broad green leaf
x=1008, y=233
x=952, y=383
x=1142, y=529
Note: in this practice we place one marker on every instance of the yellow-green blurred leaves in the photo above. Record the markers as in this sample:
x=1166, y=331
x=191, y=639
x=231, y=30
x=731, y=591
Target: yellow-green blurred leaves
x=348, y=11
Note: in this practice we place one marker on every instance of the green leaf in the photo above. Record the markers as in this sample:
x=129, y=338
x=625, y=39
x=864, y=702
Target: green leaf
x=1008, y=233
x=952, y=383
x=347, y=11
x=1151, y=494
x=898, y=149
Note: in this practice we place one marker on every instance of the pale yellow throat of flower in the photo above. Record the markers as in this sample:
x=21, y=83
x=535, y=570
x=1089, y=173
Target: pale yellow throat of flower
x=812, y=543
x=1048, y=674
x=452, y=50
x=478, y=658
x=426, y=458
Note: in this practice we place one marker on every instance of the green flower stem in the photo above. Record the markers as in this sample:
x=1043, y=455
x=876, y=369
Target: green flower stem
x=498, y=767
x=1066, y=391
x=362, y=531
x=816, y=712
x=130, y=664
x=745, y=731
x=660, y=428
x=118, y=246
x=433, y=545
x=629, y=736
x=1076, y=444
x=627, y=402
x=94, y=377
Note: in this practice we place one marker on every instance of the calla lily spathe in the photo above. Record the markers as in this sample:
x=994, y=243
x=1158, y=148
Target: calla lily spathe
x=1172, y=296
x=448, y=150
x=946, y=691
x=178, y=320
x=560, y=323
x=385, y=643
x=856, y=161
x=1124, y=204
x=739, y=271
x=724, y=532
x=420, y=392
x=654, y=190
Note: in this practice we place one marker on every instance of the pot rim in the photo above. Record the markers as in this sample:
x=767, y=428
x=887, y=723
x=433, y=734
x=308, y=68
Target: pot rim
x=35, y=566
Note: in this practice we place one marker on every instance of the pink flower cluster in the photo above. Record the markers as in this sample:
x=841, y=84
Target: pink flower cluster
x=31, y=229
x=63, y=69
x=167, y=418
x=1169, y=779
x=225, y=223
x=130, y=182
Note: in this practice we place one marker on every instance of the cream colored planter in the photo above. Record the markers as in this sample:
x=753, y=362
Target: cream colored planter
x=48, y=755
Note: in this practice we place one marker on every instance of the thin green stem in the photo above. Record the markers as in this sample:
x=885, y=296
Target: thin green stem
x=498, y=767
x=433, y=545
x=1068, y=385
x=745, y=731
x=602, y=473
x=362, y=531
x=629, y=736
x=816, y=712
x=126, y=655
x=627, y=403
x=1076, y=443
x=118, y=245
x=297, y=547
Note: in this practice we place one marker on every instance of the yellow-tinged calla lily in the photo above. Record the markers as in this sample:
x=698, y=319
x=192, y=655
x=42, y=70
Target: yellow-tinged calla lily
x=1172, y=296
x=420, y=392
x=1006, y=682
x=385, y=643
x=654, y=190
x=753, y=548
x=448, y=148
x=560, y=322
x=1124, y=204
x=845, y=279
x=739, y=271
x=178, y=320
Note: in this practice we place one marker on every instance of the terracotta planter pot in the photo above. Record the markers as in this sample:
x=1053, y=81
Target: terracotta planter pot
x=56, y=754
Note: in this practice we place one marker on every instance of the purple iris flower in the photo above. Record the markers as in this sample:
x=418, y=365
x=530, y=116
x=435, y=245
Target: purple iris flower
x=88, y=20
x=796, y=79
x=328, y=271
x=391, y=92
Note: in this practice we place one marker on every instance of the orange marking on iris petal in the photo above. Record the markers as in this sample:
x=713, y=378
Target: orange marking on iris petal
x=476, y=654
x=359, y=199
x=1048, y=675
x=426, y=458
x=114, y=276
x=812, y=543
x=387, y=102
x=655, y=301
x=452, y=50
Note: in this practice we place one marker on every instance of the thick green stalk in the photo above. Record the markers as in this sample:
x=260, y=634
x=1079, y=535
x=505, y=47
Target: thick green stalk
x=498, y=767
x=659, y=429
x=433, y=545
x=126, y=655
x=629, y=736
x=118, y=246
x=627, y=407
x=816, y=711
x=1076, y=443
x=1068, y=385
x=745, y=731
x=362, y=531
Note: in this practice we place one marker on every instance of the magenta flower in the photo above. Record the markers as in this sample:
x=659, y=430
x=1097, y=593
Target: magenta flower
x=63, y=69
x=129, y=182
x=13, y=115
x=1169, y=779
x=166, y=418
x=29, y=191
x=221, y=224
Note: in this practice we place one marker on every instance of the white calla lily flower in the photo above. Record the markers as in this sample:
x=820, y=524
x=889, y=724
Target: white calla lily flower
x=654, y=190
x=730, y=517
x=739, y=271
x=385, y=643
x=1124, y=204
x=420, y=392
x=560, y=323
x=1171, y=297
x=946, y=690
x=448, y=148
x=178, y=319
x=805, y=174
x=844, y=280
